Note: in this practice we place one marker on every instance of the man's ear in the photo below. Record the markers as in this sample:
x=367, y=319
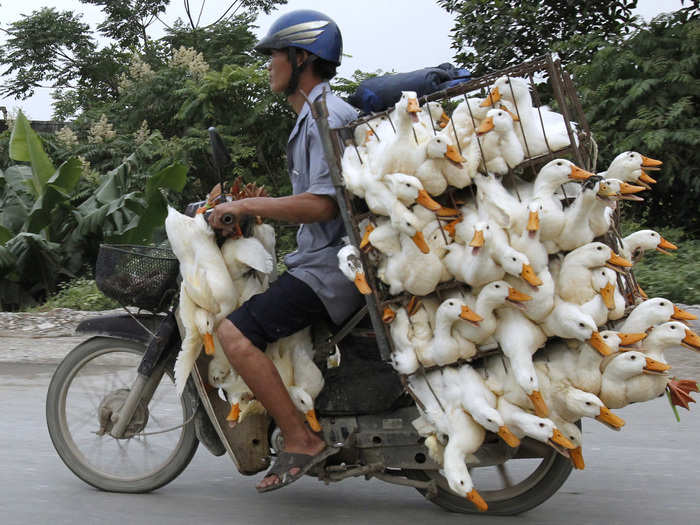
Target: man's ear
x=302, y=55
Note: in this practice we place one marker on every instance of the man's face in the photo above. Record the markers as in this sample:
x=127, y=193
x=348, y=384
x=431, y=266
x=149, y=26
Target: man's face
x=280, y=71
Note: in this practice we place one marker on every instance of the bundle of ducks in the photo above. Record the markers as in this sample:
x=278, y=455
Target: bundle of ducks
x=469, y=264
x=217, y=279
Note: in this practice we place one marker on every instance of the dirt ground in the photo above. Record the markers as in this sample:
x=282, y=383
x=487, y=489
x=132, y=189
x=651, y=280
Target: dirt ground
x=48, y=337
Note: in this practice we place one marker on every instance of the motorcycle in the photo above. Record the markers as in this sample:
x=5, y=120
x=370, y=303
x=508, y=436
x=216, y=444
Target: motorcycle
x=115, y=419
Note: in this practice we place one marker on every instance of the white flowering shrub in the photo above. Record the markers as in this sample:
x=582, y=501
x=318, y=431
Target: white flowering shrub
x=190, y=59
x=101, y=131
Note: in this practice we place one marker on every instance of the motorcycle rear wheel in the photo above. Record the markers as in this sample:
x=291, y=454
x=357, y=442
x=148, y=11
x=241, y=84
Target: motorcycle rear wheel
x=99, y=373
x=537, y=486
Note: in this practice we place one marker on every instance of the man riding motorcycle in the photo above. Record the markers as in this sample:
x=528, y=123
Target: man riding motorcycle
x=304, y=47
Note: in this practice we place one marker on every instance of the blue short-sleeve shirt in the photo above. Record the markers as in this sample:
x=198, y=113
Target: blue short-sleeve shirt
x=315, y=260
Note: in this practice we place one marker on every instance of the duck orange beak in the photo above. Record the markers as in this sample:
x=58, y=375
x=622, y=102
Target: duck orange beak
x=517, y=296
x=494, y=96
x=478, y=239
x=506, y=435
x=470, y=315
x=533, y=221
x=368, y=134
x=541, y=409
x=512, y=115
x=364, y=243
x=682, y=315
x=630, y=339
x=453, y=155
x=426, y=201
x=650, y=163
x=485, y=126
x=234, y=413
x=529, y=275
x=644, y=177
x=608, y=294
x=361, y=283
x=419, y=241
x=616, y=261
x=652, y=365
x=559, y=439
x=691, y=340
x=597, y=342
x=607, y=417
x=388, y=315
x=579, y=174
x=665, y=245
x=209, y=347
x=313, y=422
x=412, y=106
x=444, y=120
x=477, y=500
x=576, y=456
x=629, y=189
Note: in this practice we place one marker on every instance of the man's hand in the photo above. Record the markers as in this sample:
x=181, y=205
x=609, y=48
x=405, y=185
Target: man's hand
x=234, y=209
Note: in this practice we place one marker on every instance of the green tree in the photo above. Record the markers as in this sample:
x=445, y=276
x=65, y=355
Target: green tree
x=643, y=95
x=490, y=35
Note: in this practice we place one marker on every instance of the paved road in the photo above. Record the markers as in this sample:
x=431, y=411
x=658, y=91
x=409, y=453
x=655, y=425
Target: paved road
x=648, y=473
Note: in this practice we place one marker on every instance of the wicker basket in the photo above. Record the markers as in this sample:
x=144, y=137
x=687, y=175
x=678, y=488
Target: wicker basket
x=142, y=276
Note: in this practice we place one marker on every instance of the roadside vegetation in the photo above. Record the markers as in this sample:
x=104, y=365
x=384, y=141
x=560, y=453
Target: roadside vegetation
x=137, y=113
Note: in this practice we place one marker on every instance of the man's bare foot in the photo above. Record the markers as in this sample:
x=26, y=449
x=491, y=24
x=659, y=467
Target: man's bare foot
x=312, y=446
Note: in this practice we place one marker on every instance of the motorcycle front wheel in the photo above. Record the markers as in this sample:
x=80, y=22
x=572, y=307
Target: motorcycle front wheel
x=92, y=383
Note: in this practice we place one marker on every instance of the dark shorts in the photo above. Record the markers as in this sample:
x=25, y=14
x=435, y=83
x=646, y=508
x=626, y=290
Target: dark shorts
x=283, y=309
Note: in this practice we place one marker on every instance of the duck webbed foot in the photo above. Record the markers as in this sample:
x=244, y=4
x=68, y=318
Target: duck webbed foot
x=680, y=390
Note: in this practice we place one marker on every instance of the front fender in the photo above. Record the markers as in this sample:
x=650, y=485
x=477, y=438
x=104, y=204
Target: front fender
x=123, y=326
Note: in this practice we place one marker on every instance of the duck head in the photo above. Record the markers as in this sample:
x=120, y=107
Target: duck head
x=630, y=166
x=517, y=264
x=438, y=147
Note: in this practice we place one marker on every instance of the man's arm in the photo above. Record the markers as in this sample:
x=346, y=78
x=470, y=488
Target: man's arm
x=298, y=209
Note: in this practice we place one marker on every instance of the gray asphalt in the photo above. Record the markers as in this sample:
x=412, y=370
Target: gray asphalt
x=648, y=473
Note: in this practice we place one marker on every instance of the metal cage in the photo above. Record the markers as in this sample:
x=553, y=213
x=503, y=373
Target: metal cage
x=544, y=73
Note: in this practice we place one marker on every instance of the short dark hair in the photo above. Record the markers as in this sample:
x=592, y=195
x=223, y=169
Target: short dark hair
x=323, y=68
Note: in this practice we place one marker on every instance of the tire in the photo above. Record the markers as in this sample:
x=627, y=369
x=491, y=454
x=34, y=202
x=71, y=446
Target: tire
x=93, y=363
x=538, y=487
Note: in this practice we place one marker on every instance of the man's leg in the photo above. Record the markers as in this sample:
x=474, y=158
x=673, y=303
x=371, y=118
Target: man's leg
x=261, y=376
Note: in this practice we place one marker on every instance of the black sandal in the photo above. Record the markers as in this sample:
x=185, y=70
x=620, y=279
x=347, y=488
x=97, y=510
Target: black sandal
x=286, y=461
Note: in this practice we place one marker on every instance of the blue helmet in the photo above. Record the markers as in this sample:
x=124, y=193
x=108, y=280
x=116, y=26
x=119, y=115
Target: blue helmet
x=304, y=29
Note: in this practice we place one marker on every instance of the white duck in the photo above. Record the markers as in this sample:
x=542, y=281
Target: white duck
x=464, y=386
x=530, y=127
x=446, y=346
x=474, y=264
x=609, y=192
x=401, y=152
x=550, y=177
x=618, y=369
x=443, y=165
x=651, y=313
x=221, y=375
x=542, y=297
x=607, y=300
x=500, y=146
x=629, y=166
x=308, y=379
x=199, y=329
x=520, y=338
x=350, y=264
x=568, y=321
x=242, y=255
x=464, y=435
x=574, y=280
x=492, y=296
x=523, y=424
x=577, y=229
x=661, y=337
x=635, y=244
x=528, y=242
x=403, y=358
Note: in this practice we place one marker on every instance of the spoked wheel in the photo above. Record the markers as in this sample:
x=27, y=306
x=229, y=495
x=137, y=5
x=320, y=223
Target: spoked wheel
x=90, y=385
x=535, y=473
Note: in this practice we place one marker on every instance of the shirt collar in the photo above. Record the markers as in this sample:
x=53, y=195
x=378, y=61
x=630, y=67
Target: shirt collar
x=305, y=110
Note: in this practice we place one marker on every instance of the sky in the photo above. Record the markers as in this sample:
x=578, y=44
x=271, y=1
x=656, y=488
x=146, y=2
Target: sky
x=377, y=34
